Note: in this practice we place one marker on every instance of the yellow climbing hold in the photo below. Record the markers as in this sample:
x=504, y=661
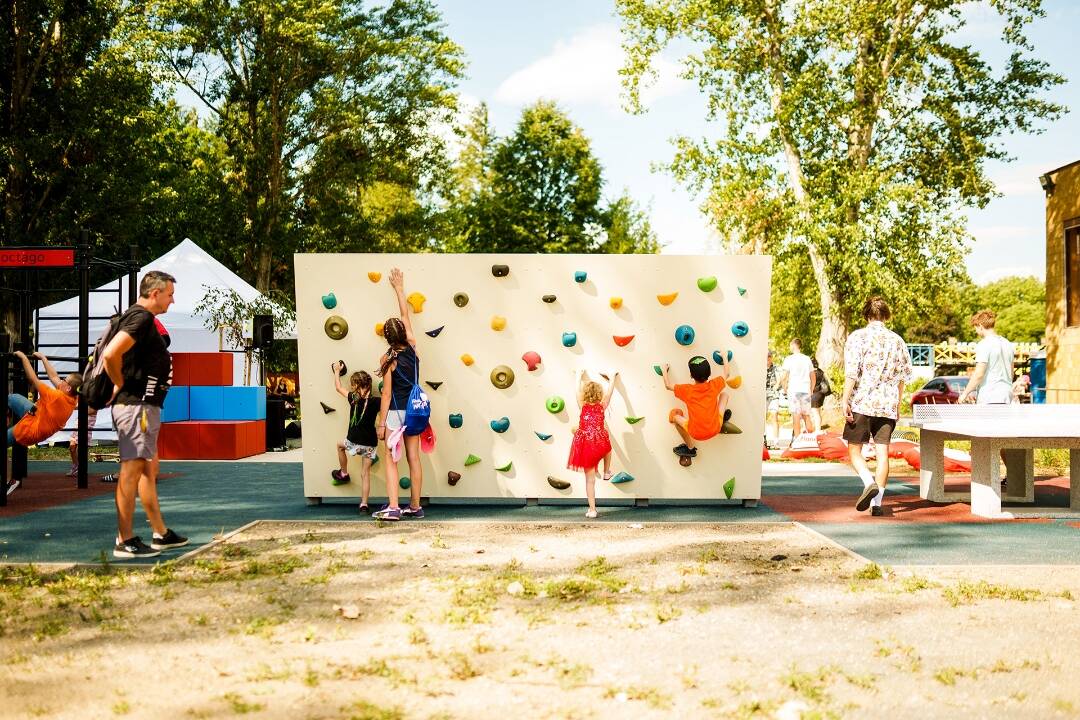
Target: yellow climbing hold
x=467, y=359
x=416, y=300
x=735, y=382
x=379, y=329
x=667, y=299
x=498, y=323
x=374, y=276
x=615, y=303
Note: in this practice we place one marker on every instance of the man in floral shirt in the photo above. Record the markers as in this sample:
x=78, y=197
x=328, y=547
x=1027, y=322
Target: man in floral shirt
x=876, y=368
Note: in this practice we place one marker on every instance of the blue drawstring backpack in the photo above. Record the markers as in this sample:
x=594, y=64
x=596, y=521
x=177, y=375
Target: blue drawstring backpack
x=418, y=409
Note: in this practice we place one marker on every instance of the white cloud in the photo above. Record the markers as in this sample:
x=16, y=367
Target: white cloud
x=584, y=70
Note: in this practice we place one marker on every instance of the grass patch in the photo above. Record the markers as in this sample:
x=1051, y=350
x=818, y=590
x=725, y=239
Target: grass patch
x=603, y=572
x=870, y=571
x=240, y=706
x=461, y=667
x=812, y=686
x=967, y=593
x=652, y=697
x=363, y=710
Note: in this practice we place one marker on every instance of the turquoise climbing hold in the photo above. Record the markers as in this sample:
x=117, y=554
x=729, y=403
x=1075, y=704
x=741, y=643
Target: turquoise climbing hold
x=329, y=301
x=501, y=425
x=404, y=483
x=717, y=357
x=729, y=488
x=543, y=436
x=580, y=276
x=622, y=477
x=730, y=355
x=742, y=291
x=555, y=404
x=456, y=420
x=707, y=284
x=569, y=339
x=658, y=370
x=740, y=329
x=684, y=335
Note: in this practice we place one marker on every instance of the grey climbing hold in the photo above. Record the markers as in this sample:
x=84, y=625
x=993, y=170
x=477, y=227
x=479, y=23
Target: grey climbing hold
x=543, y=436
x=500, y=270
x=557, y=483
x=434, y=384
x=740, y=329
x=501, y=425
x=461, y=299
x=549, y=299
x=569, y=339
x=684, y=335
x=326, y=408
x=435, y=332
x=329, y=301
x=456, y=420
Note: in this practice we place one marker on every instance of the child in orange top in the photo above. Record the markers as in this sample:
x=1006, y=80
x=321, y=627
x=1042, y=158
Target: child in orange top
x=32, y=423
x=705, y=401
x=591, y=441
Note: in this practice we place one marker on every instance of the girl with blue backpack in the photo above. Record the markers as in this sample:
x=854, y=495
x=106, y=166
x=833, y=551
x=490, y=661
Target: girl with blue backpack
x=404, y=411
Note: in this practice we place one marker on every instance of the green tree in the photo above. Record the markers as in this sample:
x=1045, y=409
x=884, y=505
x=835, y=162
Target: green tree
x=318, y=102
x=627, y=228
x=1020, y=303
x=854, y=130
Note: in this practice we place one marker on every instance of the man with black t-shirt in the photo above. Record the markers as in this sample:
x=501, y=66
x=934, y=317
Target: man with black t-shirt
x=140, y=366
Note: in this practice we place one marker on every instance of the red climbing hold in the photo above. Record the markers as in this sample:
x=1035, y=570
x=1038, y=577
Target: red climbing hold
x=622, y=340
x=532, y=359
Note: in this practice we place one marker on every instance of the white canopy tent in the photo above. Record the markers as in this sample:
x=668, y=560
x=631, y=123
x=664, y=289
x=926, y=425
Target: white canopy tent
x=195, y=270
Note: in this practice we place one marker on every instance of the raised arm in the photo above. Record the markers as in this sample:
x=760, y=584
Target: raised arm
x=334, y=369
x=610, y=389
x=667, y=380
x=54, y=378
x=28, y=370
x=397, y=281
x=582, y=379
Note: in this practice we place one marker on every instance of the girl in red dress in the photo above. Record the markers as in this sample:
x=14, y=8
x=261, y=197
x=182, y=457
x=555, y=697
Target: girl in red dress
x=591, y=441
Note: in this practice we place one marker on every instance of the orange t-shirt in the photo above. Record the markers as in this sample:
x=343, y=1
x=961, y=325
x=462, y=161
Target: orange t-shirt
x=53, y=410
x=700, y=398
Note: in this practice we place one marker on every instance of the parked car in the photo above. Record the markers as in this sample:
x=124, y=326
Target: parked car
x=940, y=391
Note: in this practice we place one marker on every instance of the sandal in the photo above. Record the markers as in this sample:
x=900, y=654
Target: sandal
x=608, y=475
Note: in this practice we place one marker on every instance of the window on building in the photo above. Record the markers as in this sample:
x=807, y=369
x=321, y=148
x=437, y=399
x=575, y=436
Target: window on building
x=1072, y=272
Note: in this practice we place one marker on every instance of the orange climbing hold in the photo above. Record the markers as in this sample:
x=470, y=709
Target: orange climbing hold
x=467, y=359
x=498, y=323
x=379, y=329
x=667, y=299
x=374, y=276
x=735, y=382
x=622, y=340
x=615, y=303
x=416, y=301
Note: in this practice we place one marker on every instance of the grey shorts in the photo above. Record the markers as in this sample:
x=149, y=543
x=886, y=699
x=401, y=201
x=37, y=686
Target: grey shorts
x=800, y=403
x=364, y=451
x=394, y=420
x=137, y=428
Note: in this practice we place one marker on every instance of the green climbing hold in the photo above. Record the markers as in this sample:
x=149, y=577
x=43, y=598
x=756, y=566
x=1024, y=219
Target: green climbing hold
x=336, y=327
x=329, y=301
x=404, y=483
x=501, y=425
x=634, y=419
x=622, y=477
x=555, y=404
x=729, y=488
x=506, y=467
x=740, y=329
x=707, y=284
x=543, y=436
x=658, y=370
x=471, y=460
x=456, y=420
x=684, y=335
x=557, y=483
x=742, y=291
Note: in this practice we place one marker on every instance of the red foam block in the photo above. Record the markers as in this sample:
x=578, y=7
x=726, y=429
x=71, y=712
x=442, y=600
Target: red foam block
x=179, y=441
x=209, y=368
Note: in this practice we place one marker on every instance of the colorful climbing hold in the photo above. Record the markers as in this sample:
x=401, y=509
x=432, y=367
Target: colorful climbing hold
x=326, y=408
x=569, y=339
x=501, y=425
x=580, y=276
x=329, y=301
x=622, y=340
x=379, y=329
x=615, y=303
x=404, y=482
x=498, y=323
x=335, y=327
x=549, y=299
x=742, y=291
x=707, y=284
x=735, y=382
x=471, y=460
x=416, y=301
x=621, y=477
x=634, y=419
x=555, y=404
x=543, y=436
x=684, y=335
x=434, y=384
x=374, y=276
x=500, y=270
x=667, y=299
x=658, y=370
x=506, y=467
x=729, y=488
x=461, y=299
x=435, y=332
x=532, y=359
x=502, y=377
x=557, y=483
x=717, y=357
x=452, y=477
x=740, y=329
x=467, y=359
x=456, y=420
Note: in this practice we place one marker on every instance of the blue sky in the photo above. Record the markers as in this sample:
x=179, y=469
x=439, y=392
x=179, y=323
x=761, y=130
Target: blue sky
x=568, y=51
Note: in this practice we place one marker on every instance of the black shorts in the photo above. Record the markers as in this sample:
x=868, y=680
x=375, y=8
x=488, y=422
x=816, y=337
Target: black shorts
x=864, y=427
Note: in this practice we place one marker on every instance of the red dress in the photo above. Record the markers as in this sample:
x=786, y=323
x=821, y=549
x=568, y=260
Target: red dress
x=591, y=442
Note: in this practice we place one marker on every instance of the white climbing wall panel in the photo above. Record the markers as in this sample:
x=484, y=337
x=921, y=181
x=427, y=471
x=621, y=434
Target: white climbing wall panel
x=642, y=449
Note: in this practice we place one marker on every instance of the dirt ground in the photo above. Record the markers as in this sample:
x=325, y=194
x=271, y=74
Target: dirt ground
x=481, y=620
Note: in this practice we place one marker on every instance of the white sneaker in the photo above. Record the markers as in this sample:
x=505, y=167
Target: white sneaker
x=590, y=515
x=73, y=471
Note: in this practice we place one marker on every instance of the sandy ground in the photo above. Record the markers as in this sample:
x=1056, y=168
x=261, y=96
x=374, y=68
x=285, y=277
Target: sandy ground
x=480, y=620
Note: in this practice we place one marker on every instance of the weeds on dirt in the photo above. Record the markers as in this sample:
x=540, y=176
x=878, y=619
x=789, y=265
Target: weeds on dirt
x=812, y=686
x=363, y=710
x=902, y=656
x=870, y=571
x=461, y=667
x=240, y=706
x=967, y=593
x=651, y=696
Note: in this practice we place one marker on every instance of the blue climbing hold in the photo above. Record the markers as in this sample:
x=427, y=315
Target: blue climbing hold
x=543, y=436
x=329, y=301
x=569, y=339
x=622, y=477
x=740, y=329
x=684, y=335
x=501, y=425
x=717, y=357
x=456, y=420
x=580, y=276
x=730, y=355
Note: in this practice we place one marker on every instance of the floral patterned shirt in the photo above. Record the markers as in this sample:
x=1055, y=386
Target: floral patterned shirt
x=877, y=360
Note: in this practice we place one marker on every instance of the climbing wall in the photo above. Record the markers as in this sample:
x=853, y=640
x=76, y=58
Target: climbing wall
x=624, y=312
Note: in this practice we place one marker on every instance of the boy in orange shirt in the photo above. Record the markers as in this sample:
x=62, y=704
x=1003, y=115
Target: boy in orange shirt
x=32, y=422
x=706, y=403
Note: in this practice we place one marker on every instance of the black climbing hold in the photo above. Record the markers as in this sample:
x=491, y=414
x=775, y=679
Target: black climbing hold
x=548, y=298
x=342, y=369
x=435, y=332
x=326, y=408
x=434, y=385
x=461, y=299
x=452, y=477
x=500, y=270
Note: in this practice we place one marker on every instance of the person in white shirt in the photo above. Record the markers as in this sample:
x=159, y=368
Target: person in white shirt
x=798, y=381
x=992, y=380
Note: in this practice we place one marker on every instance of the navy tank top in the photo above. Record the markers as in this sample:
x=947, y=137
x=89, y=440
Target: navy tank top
x=404, y=377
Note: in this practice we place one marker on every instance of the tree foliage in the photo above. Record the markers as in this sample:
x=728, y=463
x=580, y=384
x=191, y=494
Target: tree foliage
x=854, y=131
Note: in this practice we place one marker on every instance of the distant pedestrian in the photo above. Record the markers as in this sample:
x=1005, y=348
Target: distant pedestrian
x=798, y=380
x=820, y=390
x=992, y=381
x=772, y=402
x=876, y=368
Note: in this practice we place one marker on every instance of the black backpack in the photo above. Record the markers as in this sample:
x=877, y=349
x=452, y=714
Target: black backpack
x=97, y=386
x=823, y=386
